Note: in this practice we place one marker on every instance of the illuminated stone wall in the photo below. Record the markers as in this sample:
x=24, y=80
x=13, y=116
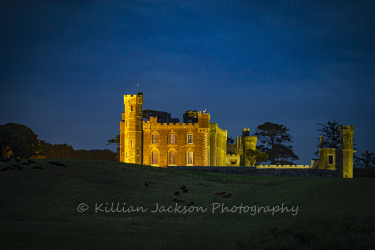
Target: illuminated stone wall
x=181, y=145
x=218, y=142
x=346, y=151
x=324, y=154
x=233, y=159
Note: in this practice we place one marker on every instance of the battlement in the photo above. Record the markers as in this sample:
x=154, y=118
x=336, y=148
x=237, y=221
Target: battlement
x=346, y=128
x=250, y=139
x=135, y=95
x=154, y=122
x=130, y=96
x=233, y=155
x=138, y=97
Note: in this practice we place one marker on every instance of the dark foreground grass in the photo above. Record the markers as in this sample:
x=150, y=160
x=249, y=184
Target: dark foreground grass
x=351, y=232
x=39, y=209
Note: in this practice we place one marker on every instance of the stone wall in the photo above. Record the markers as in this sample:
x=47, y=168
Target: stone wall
x=284, y=166
x=261, y=172
x=218, y=145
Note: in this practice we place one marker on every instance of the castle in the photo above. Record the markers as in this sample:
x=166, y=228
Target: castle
x=197, y=142
x=163, y=141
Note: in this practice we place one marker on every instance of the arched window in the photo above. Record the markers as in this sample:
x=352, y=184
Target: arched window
x=154, y=157
x=189, y=158
x=172, y=157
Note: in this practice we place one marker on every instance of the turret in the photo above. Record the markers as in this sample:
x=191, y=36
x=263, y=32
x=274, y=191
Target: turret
x=346, y=150
x=249, y=142
x=131, y=130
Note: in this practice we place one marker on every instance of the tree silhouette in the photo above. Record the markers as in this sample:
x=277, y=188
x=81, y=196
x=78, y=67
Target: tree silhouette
x=274, y=136
x=18, y=141
x=366, y=160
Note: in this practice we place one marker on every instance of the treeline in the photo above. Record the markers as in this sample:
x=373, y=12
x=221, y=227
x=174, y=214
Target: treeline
x=65, y=151
x=19, y=141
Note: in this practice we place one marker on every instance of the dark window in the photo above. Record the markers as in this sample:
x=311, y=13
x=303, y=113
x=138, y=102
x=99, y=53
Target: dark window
x=330, y=159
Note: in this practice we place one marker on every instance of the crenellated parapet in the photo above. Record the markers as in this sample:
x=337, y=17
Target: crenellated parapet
x=165, y=125
x=233, y=155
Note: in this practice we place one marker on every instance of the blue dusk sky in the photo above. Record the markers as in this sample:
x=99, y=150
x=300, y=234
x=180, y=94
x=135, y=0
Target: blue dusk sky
x=65, y=66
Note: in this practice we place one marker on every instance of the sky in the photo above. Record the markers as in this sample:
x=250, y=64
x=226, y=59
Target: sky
x=65, y=66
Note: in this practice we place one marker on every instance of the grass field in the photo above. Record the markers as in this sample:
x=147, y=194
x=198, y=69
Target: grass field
x=39, y=209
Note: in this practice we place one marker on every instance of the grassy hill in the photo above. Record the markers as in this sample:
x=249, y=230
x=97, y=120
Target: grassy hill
x=39, y=209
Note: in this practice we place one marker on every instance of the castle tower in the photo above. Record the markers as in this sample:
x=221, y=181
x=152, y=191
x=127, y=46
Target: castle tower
x=204, y=136
x=249, y=142
x=131, y=148
x=346, y=150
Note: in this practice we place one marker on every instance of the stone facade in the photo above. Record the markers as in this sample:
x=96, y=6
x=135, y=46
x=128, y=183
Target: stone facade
x=194, y=143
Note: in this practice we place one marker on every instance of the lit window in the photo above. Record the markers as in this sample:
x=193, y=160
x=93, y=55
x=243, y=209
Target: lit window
x=330, y=159
x=172, y=157
x=190, y=139
x=172, y=139
x=154, y=138
x=189, y=158
x=154, y=158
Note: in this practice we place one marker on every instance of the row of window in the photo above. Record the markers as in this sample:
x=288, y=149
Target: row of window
x=172, y=138
x=172, y=158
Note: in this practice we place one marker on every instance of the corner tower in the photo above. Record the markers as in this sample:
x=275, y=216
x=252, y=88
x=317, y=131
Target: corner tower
x=131, y=147
x=346, y=150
